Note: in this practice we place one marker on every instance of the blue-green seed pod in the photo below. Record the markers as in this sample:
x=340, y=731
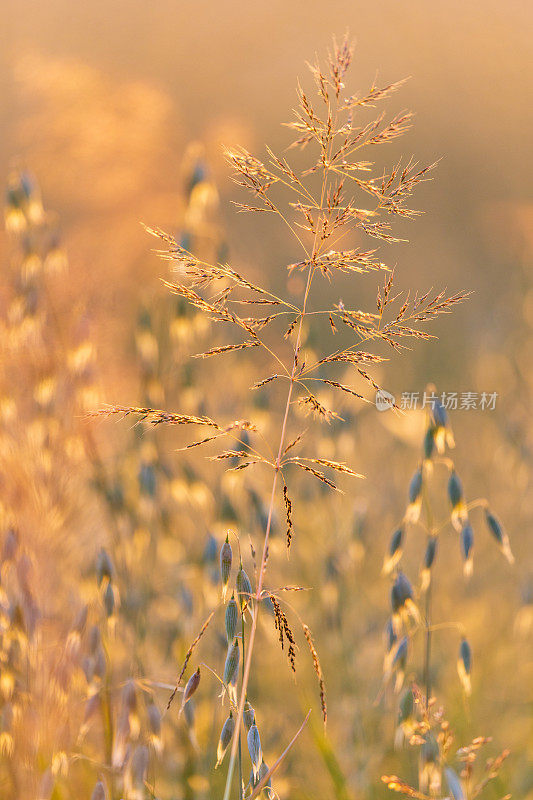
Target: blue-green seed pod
x=431, y=552
x=400, y=656
x=464, y=666
x=406, y=706
x=248, y=715
x=232, y=662
x=395, y=551
x=226, y=736
x=429, y=443
x=429, y=768
x=454, y=784
x=399, y=662
x=390, y=635
x=401, y=592
x=496, y=529
x=109, y=600
x=104, y=567
x=455, y=490
x=415, y=487
x=254, y=748
x=231, y=619
x=429, y=558
x=244, y=588
x=225, y=564
x=439, y=414
x=467, y=548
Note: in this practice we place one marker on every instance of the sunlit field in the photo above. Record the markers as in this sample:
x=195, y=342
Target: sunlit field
x=266, y=327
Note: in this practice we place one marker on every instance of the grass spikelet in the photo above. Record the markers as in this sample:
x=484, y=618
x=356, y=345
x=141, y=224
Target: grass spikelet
x=231, y=666
x=231, y=618
x=226, y=736
x=464, y=666
x=225, y=565
x=495, y=527
x=244, y=589
x=283, y=628
x=288, y=515
x=188, y=656
x=318, y=671
x=190, y=688
x=254, y=748
x=467, y=549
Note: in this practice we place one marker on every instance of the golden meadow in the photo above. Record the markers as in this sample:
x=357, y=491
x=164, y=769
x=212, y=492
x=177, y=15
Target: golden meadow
x=224, y=572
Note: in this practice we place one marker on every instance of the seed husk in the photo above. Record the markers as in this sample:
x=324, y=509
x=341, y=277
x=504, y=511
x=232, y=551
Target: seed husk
x=191, y=687
x=254, y=748
x=226, y=557
x=226, y=736
x=244, y=589
x=232, y=662
x=231, y=619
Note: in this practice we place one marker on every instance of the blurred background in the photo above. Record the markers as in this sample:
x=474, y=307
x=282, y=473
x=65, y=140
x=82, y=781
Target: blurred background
x=119, y=110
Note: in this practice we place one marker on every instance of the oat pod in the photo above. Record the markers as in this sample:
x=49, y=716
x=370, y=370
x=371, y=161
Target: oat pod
x=225, y=565
x=442, y=432
x=254, y=748
x=429, y=558
x=154, y=724
x=412, y=513
x=464, y=666
x=226, y=735
x=395, y=552
x=254, y=781
x=248, y=715
x=231, y=619
x=231, y=667
x=104, y=567
x=244, y=589
x=454, y=784
x=406, y=720
x=455, y=493
x=429, y=768
x=467, y=549
x=109, y=600
x=429, y=444
x=499, y=534
x=402, y=602
x=191, y=687
x=399, y=662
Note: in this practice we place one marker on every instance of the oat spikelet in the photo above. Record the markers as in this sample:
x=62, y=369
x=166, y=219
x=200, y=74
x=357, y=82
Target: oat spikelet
x=318, y=670
x=284, y=630
x=288, y=514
